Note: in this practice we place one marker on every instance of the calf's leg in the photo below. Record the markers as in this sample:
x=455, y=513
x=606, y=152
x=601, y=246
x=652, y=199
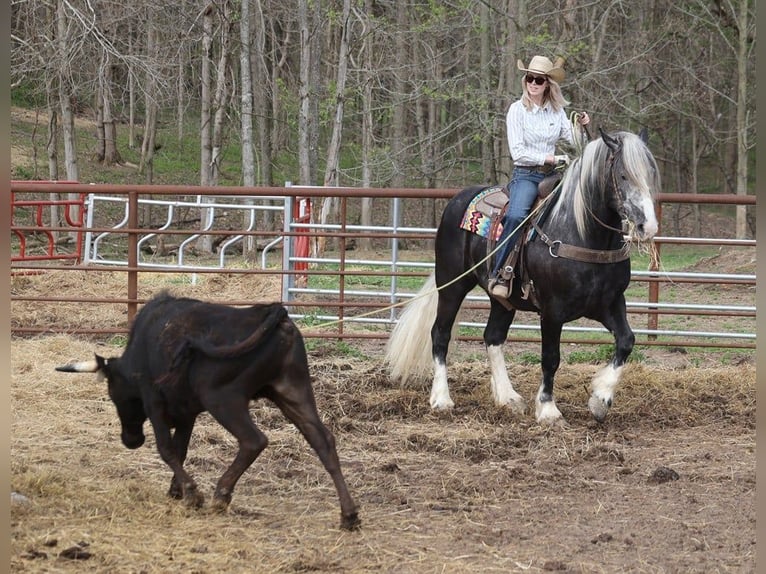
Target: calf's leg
x=295, y=399
x=231, y=411
x=182, y=485
x=180, y=442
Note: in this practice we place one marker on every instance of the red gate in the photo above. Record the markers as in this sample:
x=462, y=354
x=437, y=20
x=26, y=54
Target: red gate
x=27, y=220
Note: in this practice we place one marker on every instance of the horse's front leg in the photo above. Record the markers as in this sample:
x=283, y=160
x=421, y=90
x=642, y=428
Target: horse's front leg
x=495, y=335
x=546, y=411
x=607, y=379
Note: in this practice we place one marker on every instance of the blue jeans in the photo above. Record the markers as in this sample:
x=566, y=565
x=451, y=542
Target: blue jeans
x=524, y=184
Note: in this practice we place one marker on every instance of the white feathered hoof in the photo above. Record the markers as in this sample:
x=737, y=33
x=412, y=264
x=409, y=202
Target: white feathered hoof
x=441, y=402
x=517, y=406
x=599, y=407
x=548, y=414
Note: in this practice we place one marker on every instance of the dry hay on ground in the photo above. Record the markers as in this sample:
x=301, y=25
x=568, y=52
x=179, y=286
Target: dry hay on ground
x=474, y=490
x=95, y=285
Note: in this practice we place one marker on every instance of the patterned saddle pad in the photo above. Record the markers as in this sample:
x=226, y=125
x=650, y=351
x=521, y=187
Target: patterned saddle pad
x=483, y=208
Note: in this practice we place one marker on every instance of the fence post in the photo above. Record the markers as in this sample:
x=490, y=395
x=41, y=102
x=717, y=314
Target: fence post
x=132, y=254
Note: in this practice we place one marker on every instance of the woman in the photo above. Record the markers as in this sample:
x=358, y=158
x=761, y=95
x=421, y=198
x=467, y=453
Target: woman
x=534, y=125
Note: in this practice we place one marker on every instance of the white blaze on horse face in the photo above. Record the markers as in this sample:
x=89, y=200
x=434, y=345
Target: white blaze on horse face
x=440, y=398
x=602, y=391
x=650, y=219
x=502, y=389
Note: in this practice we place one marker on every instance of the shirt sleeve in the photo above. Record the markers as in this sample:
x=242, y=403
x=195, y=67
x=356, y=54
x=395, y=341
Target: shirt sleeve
x=521, y=153
x=566, y=128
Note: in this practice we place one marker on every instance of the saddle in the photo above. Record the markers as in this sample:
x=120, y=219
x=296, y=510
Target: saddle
x=514, y=267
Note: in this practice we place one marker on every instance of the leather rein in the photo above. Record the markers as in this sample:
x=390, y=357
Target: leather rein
x=557, y=248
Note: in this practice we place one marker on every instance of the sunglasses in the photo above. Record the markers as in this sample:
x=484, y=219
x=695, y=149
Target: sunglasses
x=539, y=80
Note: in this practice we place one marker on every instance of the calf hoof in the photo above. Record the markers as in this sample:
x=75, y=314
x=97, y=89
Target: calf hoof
x=193, y=498
x=350, y=521
x=175, y=490
x=221, y=500
x=219, y=505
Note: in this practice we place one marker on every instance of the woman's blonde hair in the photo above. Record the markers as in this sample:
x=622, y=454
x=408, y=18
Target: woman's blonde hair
x=552, y=94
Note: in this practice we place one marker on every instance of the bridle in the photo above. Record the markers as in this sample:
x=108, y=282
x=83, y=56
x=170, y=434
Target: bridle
x=557, y=248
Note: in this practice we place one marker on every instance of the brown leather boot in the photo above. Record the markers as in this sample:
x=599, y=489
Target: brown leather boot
x=500, y=287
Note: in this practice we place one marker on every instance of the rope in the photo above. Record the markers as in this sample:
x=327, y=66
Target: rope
x=579, y=147
x=532, y=213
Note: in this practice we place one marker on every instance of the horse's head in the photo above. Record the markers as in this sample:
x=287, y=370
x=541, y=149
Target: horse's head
x=632, y=181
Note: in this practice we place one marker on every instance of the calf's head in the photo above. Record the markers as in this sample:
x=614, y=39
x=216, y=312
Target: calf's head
x=124, y=394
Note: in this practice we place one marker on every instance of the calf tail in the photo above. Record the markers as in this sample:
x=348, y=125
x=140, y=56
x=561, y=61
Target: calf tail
x=274, y=314
x=184, y=351
x=408, y=352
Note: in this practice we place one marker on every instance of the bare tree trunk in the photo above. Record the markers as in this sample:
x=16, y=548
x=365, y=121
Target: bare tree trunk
x=150, y=122
x=330, y=204
x=367, y=125
x=206, y=126
x=309, y=73
x=108, y=125
x=308, y=115
x=65, y=100
x=52, y=152
x=264, y=103
x=246, y=117
x=180, y=98
x=67, y=114
x=206, y=144
x=487, y=135
x=742, y=225
x=221, y=91
x=131, y=95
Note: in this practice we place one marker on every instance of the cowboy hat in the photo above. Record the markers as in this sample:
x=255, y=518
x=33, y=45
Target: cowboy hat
x=542, y=65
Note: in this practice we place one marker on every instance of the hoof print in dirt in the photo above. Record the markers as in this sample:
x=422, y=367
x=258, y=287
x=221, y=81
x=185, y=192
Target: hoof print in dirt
x=663, y=474
x=603, y=537
x=76, y=552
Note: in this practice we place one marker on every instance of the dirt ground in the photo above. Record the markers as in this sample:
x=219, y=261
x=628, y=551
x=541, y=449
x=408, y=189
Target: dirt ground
x=665, y=485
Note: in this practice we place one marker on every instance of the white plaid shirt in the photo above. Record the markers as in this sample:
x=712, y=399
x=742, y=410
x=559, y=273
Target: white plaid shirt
x=533, y=134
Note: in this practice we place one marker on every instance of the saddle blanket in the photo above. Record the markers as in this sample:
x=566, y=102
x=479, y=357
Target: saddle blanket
x=478, y=215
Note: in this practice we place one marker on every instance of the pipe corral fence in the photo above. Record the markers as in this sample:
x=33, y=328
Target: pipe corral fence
x=331, y=293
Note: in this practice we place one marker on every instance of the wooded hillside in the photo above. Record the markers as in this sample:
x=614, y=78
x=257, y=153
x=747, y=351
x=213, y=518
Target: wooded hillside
x=384, y=93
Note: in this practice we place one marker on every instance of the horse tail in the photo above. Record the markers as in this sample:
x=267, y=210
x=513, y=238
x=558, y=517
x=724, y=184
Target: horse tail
x=408, y=352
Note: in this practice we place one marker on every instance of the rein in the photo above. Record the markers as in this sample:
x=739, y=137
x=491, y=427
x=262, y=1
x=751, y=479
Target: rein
x=556, y=248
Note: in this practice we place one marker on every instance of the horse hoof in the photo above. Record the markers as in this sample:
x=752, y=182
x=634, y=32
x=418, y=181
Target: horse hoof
x=548, y=414
x=442, y=404
x=598, y=408
x=518, y=407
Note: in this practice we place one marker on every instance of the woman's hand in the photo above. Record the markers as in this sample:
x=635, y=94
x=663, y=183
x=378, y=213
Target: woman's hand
x=583, y=119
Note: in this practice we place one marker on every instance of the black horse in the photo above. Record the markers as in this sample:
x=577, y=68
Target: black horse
x=576, y=265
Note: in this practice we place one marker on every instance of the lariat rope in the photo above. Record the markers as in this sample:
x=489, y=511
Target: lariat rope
x=579, y=146
x=540, y=205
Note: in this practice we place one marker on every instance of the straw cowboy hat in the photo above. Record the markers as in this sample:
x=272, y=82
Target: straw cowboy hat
x=543, y=66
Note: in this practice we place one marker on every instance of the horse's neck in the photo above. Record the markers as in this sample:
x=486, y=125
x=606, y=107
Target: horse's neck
x=602, y=225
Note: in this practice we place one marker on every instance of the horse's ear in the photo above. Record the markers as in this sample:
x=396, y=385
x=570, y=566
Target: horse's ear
x=611, y=142
x=644, y=135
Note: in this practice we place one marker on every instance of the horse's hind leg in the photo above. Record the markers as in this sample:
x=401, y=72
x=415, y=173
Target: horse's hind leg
x=607, y=379
x=495, y=334
x=450, y=299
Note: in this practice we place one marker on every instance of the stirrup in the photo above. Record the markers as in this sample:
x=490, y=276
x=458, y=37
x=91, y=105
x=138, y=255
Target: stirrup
x=499, y=287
